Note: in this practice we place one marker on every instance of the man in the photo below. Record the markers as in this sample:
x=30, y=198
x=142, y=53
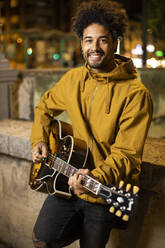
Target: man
x=109, y=109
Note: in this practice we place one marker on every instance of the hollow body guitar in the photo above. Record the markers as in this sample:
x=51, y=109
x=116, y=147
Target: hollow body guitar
x=66, y=155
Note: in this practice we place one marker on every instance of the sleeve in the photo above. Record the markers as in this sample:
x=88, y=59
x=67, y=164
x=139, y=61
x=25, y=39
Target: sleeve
x=124, y=160
x=52, y=104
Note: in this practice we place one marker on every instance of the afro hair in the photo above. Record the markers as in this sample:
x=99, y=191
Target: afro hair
x=110, y=14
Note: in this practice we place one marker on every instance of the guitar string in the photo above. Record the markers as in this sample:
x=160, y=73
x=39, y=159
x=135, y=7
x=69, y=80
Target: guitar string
x=92, y=183
x=75, y=169
x=85, y=177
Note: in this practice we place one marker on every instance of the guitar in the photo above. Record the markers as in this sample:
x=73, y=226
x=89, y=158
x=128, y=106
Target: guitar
x=66, y=155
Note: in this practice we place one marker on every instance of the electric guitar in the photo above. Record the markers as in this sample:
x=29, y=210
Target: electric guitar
x=66, y=155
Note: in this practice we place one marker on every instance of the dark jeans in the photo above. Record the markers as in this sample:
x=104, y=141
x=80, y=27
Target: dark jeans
x=62, y=221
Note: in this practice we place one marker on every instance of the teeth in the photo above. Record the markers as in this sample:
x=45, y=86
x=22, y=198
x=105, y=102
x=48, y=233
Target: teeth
x=95, y=54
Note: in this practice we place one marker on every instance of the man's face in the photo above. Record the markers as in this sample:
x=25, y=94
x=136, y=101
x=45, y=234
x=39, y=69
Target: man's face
x=98, y=48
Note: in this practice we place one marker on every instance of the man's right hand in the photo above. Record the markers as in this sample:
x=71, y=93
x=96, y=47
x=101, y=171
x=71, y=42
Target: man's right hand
x=39, y=151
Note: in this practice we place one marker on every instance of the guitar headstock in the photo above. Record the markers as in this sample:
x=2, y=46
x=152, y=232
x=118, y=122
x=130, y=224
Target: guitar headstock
x=121, y=199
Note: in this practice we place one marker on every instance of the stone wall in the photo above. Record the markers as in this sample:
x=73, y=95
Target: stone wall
x=153, y=79
x=7, y=78
x=19, y=205
x=29, y=87
x=32, y=83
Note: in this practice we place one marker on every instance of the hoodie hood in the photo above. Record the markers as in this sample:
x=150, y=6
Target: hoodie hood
x=124, y=70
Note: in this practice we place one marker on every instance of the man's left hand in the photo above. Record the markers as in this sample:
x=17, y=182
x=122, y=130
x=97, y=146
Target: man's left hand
x=75, y=182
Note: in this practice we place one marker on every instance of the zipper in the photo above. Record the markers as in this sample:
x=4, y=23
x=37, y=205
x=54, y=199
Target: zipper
x=89, y=116
x=93, y=96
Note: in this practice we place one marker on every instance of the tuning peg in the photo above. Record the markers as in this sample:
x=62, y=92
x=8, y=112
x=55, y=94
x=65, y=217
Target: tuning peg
x=121, y=184
x=112, y=210
x=128, y=187
x=135, y=189
x=118, y=213
x=125, y=217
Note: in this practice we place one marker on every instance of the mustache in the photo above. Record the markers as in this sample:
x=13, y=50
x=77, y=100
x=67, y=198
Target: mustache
x=95, y=53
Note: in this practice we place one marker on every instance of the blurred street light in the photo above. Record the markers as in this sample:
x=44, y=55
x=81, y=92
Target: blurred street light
x=159, y=53
x=150, y=48
x=29, y=51
x=138, y=50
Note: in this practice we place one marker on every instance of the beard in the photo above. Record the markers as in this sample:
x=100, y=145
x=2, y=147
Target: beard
x=96, y=63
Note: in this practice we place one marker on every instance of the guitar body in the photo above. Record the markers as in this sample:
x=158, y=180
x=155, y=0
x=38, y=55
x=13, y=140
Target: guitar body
x=71, y=150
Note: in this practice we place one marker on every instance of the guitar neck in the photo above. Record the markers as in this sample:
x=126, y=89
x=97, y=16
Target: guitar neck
x=68, y=170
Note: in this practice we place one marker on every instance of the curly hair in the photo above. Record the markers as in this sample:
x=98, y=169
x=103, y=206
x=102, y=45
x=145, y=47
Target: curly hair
x=110, y=14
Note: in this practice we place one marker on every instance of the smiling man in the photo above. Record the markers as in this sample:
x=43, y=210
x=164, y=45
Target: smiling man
x=111, y=110
x=98, y=48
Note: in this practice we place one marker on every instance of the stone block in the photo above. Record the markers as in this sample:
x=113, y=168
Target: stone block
x=4, y=143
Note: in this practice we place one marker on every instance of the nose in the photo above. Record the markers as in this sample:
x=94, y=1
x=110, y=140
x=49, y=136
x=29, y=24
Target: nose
x=95, y=45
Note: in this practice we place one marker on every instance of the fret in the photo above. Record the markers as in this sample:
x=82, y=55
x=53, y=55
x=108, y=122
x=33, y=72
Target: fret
x=67, y=173
x=65, y=169
x=72, y=170
x=58, y=164
x=91, y=184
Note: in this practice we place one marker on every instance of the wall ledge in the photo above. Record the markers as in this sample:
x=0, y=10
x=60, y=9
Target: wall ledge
x=15, y=134
x=154, y=151
x=14, y=137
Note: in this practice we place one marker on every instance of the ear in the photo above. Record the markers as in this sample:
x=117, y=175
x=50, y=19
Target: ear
x=81, y=43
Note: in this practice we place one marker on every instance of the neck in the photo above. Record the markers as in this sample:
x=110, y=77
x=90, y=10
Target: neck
x=104, y=69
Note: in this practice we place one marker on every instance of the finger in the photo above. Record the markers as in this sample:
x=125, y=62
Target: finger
x=70, y=181
x=77, y=183
x=37, y=158
x=79, y=179
x=34, y=153
x=83, y=171
x=44, y=150
x=75, y=178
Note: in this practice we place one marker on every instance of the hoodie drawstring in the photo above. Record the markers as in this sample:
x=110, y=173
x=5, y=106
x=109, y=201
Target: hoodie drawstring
x=83, y=79
x=110, y=89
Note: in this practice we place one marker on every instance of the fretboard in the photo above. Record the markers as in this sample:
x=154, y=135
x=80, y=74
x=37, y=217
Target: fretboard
x=68, y=170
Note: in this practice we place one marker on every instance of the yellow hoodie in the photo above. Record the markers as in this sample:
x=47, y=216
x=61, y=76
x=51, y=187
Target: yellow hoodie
x=110, y=111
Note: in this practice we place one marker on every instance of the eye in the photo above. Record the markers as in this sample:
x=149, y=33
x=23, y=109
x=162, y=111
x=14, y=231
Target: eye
x=103, y=41
x=88, y=41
